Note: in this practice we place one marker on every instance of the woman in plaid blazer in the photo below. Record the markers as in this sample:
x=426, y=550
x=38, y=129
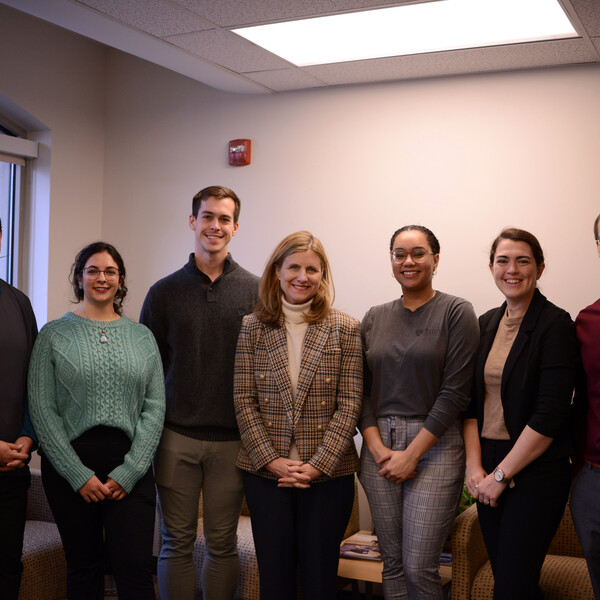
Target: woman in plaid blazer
x=297, y=393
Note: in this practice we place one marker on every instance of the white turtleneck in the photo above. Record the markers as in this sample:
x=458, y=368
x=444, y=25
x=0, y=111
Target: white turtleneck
x=295, y=327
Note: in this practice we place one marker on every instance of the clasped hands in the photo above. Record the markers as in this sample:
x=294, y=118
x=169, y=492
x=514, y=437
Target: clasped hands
x=293, y=473
x=396, y=465
x=14, y=455
x=483, y=487
x=94, y=490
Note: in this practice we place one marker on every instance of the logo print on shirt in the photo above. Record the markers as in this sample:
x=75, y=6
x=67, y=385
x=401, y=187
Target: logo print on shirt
x=430, y=331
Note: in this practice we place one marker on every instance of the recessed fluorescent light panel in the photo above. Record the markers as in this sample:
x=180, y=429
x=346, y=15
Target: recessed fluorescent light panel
x=432, y=26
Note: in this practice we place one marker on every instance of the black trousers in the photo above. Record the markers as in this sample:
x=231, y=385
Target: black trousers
x=519, y=530
x=117, y=532
x=13, y=502
x=298, y=533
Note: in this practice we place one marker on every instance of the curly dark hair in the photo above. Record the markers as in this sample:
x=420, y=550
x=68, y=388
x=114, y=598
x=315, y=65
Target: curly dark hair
x=79, y=264
x=431, y=239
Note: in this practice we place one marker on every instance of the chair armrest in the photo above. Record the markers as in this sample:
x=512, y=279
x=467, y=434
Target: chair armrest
x=469, y=553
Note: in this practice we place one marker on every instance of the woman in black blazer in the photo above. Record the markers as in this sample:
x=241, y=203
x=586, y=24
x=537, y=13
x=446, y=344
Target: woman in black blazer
x=516, y=427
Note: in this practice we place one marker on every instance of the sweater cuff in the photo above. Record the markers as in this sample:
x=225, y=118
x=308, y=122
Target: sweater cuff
x=78, y=476
x=125, y=477
x=435, y=427
x=28, y=430
x=365, y=421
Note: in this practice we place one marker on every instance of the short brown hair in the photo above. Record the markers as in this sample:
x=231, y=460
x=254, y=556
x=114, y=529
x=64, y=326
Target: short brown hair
x=219, y=192
x=268, y=308
x=519, y=235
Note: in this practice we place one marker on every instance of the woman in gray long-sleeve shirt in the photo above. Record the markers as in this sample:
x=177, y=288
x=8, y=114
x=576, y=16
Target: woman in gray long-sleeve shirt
x=419, y=355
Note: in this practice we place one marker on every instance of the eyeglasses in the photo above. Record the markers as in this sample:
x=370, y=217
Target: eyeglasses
x=94, y=272
x=417, y=254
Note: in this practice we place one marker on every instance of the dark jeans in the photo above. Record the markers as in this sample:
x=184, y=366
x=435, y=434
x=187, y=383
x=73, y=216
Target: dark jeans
x=119, y=532
x=519, y=530
x=13, y=502
x=585, y=496
x=298, y=532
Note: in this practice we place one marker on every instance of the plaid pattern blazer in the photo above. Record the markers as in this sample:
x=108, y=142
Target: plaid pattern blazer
x=323, y=417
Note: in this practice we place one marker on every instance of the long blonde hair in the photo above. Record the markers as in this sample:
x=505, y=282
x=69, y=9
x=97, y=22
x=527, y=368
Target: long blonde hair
x=268, y=308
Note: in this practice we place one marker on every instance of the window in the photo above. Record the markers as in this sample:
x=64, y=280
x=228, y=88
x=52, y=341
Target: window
x=10, y=177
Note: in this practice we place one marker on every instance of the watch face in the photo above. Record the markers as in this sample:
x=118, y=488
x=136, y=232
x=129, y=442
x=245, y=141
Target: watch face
x=498, y=475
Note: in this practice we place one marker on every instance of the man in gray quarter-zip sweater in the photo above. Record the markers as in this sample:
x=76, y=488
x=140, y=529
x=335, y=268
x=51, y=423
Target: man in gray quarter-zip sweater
x=196, y=315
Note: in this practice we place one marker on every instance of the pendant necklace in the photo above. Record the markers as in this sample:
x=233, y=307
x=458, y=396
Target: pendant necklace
x=103, y=339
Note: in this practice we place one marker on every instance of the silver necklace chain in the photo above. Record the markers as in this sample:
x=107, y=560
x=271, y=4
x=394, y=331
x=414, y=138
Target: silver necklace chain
x=103, y=339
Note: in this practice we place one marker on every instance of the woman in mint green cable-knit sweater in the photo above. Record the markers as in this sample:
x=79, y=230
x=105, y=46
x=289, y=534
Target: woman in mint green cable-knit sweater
x=96, y=394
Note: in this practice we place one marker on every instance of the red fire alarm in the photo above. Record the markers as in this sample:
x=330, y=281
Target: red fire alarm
x=239, y=152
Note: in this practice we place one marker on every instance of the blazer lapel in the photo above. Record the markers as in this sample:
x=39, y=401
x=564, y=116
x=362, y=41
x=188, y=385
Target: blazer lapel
x=527, y=326
x=276, y=345
x=314, y=342
x=487, y=339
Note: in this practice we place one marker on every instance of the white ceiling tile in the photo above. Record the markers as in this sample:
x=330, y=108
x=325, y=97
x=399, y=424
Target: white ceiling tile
x=229, y=50
x=481, y=60
x=285, y=80
x=157, y=17
x=200, y=45
x=589, y=13
x=232, y=13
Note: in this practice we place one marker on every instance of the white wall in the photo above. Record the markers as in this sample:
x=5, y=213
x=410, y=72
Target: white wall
x=465, y=156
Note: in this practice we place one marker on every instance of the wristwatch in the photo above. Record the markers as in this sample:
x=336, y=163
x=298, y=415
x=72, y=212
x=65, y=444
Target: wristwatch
x=499, y=476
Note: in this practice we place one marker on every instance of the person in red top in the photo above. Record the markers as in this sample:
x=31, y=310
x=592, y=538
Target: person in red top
x=586, y=487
